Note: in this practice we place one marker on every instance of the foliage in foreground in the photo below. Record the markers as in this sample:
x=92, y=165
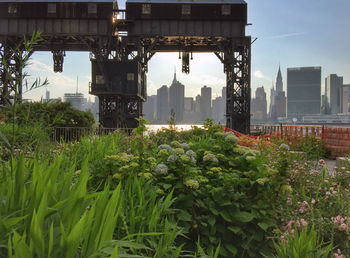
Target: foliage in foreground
x=223, y=193
x=194, y=193
x=302, y=244
x=46, y=210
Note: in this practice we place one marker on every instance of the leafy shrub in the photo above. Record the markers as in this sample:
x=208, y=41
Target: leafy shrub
x=314, y=148
x=27, y=139
x=51, y=114
x=223, y=192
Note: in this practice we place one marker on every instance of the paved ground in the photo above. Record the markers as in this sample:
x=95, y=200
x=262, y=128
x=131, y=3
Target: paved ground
x=330, y=165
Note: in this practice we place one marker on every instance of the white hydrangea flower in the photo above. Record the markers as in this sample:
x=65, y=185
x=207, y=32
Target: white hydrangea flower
x=161, y=169
x=209, y=157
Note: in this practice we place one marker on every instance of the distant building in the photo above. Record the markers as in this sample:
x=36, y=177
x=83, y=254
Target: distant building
x=280, y=97
x=272, y=113
x=334, y=85
x=177, y=98
x=163, y=104
x=205, y=103
x=197, y=104
x=47, y=95
x=219, y=110
x=149, y=108
x=346, y=99
x=278, y=100
x=303, y=91
x=77, y=100
x=224, y=93
x=259, y=105
x=188, y=105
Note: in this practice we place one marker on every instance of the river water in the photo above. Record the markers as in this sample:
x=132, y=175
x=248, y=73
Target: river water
x=178, y=127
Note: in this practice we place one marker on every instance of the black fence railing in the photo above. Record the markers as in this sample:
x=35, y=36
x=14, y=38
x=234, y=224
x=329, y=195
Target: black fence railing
x=76, y=133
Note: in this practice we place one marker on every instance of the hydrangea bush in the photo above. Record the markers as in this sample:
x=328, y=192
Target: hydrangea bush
x=223, y=192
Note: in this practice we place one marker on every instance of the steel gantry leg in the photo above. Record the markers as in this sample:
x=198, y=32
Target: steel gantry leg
x=58, y=58
x=120, y=111
x=238, y=89
x=11, y=72
x=237, y=59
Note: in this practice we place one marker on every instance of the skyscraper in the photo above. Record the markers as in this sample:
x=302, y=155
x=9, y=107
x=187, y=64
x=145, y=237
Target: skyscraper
x=77, y=100
x=346, y=99
x=280, y=103
x=205, y=103
x=177, y=98
x=197, y=104
x=219, y=110
x=272, y=112
x=334, y=85
x=163, y=104
x=279, y=82
x=303, y=91
x=149, y=108
x=259, y=104
x=189, y=105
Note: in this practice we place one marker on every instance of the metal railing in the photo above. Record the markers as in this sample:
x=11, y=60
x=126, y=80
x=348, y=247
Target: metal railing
x=68, y=134
x=294, y=131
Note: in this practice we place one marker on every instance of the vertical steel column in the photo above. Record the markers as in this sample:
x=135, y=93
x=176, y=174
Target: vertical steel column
x=5, y=73
x=119, y=111
x=237, y=66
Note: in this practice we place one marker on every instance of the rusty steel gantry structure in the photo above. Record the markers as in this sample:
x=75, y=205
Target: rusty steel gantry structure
x=121, y=43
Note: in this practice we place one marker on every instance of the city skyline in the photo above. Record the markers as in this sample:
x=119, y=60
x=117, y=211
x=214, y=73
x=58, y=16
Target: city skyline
x=298, y=39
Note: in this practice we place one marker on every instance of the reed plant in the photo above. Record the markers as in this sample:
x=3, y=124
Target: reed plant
x=46, y=210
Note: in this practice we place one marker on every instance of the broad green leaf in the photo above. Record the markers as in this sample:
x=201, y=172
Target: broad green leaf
x=243, y=216
x=211, y=220
x=184, y=215
x=214, y=211
x=225, y=215
x=235, y=230
x=231, y=248
x=4, y=138
x=263, y=225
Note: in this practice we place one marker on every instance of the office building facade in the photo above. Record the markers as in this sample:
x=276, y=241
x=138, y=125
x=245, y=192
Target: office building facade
x=303, y=91
x=334, y=85
x=205, y=103
x=177, y=98
x=163, y=104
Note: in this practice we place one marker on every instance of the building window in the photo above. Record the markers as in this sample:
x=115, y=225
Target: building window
x=92, y=8
x=12, y=8
x=226, y=9
x=100, y=79
x=186, y=9
x=146, y=9
x=130, y=77
x=51, y=8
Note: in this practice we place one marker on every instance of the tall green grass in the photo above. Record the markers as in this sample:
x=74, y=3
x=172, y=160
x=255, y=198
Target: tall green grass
x=46, y=210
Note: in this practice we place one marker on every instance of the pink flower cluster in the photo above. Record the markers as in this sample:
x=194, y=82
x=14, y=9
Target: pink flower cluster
x=304, y=207
x=290, y=228
x=299, y=223
x=338, y=254
x=341, y=223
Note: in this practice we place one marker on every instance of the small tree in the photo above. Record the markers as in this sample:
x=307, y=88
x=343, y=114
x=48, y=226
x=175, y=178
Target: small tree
x=172, y=120
x=15, y=79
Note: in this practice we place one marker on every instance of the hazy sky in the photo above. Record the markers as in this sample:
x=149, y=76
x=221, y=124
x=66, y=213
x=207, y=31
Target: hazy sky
x=290, y=32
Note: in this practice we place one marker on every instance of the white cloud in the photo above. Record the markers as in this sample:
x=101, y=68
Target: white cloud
x=259, y=74
x=287, y=35
x=35, y=65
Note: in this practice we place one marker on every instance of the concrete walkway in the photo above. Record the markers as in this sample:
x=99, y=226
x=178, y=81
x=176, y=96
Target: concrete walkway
x=330, y=165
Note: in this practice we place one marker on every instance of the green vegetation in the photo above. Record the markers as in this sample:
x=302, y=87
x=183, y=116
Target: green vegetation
x=51, y=114
x=170, y=194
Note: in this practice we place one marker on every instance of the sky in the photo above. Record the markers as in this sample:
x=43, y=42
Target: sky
x=289, y=33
